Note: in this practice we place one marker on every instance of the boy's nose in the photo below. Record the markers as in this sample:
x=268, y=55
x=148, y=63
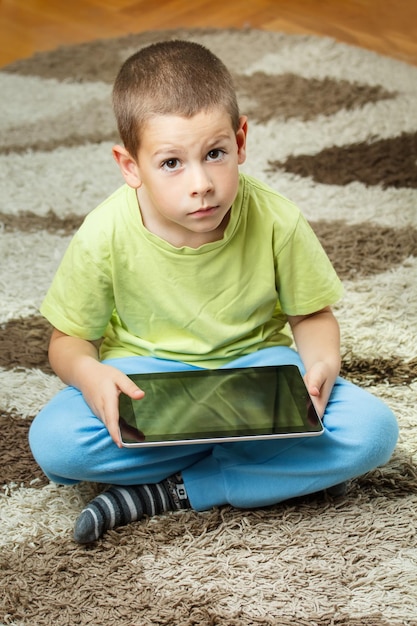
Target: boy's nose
x=201, y=182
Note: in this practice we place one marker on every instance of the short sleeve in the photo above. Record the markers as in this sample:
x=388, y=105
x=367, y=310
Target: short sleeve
x=80, y=299
x=306, y=279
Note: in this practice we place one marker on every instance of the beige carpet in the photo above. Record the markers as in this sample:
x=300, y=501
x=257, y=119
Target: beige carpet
x=334, y=128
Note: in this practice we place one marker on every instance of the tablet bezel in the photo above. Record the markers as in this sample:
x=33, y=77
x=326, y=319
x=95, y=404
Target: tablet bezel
x=292, y=376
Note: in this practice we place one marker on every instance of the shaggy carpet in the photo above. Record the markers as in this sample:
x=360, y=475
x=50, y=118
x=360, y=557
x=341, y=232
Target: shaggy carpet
x=334, y=128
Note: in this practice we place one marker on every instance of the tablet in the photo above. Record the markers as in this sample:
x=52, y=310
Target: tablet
x=216, y=406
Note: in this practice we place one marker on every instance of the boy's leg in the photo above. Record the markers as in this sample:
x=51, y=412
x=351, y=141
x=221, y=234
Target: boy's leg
x=70, y=444
x=360, y=434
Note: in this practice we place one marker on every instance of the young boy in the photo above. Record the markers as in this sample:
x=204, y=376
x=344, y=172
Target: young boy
x=192, y=265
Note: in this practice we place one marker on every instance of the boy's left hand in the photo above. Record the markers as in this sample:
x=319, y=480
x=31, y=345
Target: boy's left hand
x=319, y=380
x=318, y=341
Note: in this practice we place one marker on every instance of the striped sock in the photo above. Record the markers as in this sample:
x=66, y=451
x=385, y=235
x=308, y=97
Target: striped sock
x=118, y=506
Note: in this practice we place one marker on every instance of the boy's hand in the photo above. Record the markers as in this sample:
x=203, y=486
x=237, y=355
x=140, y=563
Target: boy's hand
x=76, y=362
x=101, y=389
x=318, y=341
x=319, y=380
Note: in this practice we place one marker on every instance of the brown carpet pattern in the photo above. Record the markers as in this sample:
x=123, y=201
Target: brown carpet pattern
x=334, y=128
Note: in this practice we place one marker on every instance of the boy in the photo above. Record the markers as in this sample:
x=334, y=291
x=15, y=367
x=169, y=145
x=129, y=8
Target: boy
x=191, y=264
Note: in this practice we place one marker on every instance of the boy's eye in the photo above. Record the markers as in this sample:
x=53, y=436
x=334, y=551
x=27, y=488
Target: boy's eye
x=215, y=154
x=170, y=164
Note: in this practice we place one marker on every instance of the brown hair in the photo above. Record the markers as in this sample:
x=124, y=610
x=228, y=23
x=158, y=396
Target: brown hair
x=170, y=78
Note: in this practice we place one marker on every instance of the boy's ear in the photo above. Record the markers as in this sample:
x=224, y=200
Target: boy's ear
x=241, y=135
x=128, y=166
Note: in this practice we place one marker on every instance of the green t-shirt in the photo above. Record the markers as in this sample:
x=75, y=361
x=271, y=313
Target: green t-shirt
x=203, y=306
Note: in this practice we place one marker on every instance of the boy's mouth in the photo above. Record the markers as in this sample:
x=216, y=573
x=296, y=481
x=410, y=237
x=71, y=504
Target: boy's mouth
x=205, y=211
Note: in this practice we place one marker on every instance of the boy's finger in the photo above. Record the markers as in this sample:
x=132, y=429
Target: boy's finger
x=314, y=384
x=112, y=423
x=128, y=387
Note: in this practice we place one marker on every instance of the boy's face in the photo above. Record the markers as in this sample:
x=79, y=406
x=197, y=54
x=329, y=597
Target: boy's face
x=186, y=175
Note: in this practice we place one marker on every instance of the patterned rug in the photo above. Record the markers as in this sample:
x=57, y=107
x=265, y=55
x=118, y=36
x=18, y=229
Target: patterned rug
x=334, y=128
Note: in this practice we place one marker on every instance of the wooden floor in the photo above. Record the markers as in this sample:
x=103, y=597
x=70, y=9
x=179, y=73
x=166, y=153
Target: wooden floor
x=27, y=26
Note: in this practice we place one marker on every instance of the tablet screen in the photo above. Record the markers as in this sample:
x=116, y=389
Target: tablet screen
x=201, y=406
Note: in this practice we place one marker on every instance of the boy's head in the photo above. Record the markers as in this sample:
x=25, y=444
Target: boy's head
x=170, y=78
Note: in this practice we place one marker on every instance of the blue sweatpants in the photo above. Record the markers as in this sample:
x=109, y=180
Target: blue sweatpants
x=71, y=445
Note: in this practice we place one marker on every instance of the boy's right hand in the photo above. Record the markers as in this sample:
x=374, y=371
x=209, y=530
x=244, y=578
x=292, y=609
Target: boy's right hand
x=76, y=362
x=101, y=390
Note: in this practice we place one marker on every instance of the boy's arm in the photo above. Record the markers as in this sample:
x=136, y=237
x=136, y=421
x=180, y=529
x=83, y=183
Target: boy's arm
x=76, y=362
x=317, y=338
